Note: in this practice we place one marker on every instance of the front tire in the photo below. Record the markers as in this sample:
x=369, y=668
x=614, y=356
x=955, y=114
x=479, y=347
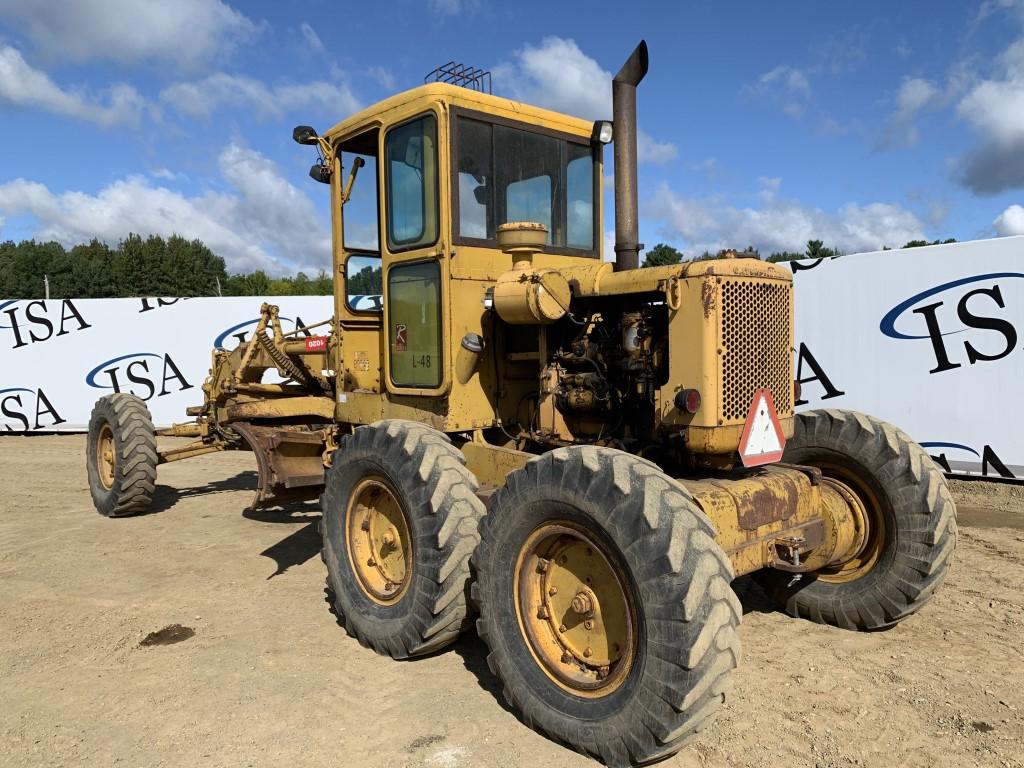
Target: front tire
x=593, y=534
x=911, y=516
x=400, y=519
x=121, y=455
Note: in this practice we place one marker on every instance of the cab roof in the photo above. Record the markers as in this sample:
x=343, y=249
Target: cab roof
x=466, y=98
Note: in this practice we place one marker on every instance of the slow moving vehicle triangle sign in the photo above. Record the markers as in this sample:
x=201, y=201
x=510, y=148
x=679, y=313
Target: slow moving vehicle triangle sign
x=762, y=441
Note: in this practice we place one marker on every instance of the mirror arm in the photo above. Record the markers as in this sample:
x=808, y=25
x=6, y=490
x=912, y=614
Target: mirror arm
x=356, y=165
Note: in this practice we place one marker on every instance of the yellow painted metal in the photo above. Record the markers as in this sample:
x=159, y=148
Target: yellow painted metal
x=106, y=456
x=576, y=609
x=191, y=450
x=753, y=511
x=491, y=464
x=869, y=521
x=380, y=545
x=527, y=295
x=182, y=430
x=281, y=408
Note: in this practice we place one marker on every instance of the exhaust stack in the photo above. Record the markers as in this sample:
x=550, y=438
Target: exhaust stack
x=627, y=224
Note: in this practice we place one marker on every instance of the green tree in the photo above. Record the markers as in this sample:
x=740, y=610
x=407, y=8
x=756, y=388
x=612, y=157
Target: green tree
x=366, y=281
x=661, y=255
x=919, y=243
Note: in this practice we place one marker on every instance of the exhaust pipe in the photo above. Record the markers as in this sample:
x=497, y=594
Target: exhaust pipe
x=627, y=223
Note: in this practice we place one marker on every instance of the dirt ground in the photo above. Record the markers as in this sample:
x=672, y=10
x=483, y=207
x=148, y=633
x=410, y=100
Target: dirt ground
x=264, y=675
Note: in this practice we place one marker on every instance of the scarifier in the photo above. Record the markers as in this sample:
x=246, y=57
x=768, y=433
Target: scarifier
x=581, y=455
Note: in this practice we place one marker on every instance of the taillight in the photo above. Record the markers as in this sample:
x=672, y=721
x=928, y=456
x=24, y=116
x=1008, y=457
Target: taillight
x=688, y=400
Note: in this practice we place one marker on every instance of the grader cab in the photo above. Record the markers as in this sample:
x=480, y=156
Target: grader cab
x=502, y=424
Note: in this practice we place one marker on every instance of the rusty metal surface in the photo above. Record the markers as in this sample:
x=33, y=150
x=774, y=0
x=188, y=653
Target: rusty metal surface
x=289, y=460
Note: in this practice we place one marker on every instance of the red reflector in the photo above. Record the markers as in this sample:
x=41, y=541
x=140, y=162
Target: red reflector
x=688, y=400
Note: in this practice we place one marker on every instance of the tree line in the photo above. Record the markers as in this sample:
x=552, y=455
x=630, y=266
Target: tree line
x=137, y=266
x=176, y=266
x=663, y=254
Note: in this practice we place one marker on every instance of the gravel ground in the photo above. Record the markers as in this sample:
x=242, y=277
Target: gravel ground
x=262, y=675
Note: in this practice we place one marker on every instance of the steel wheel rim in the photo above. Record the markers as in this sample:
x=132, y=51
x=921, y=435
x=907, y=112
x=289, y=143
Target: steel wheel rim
x=106, y=456
x=576, y=609
x=379, y=542
x=875, y=529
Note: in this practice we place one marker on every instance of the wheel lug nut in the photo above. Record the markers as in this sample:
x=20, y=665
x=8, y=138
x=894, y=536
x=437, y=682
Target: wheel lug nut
x=561, y=628
x=542, y=565
x=542, y=612
x=553, y=591
x=566, y=657
x=602, y=672
x=587, y=652
x=588, y=624
x=371, y=562
x=365, y=524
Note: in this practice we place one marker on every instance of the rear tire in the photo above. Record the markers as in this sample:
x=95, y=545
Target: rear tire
x=674, y=581
x=403, y=480
x=121, y=455
x=911, y=532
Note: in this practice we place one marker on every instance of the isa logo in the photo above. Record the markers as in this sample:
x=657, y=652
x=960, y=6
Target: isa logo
x=26, y=408
x=143, y=374
x=988, y=310
x=240, y=331
x=34, y=322
x=944, y=453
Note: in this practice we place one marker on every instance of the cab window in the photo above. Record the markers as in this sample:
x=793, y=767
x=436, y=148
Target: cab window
x=414, y=320
x=410, y=152
x=507, y=173
x=363, y=283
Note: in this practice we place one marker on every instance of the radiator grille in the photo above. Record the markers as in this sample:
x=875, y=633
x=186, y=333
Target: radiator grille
x=756, y=345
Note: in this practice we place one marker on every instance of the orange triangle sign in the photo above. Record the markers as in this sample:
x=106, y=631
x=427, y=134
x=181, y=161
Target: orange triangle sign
x=762, y=441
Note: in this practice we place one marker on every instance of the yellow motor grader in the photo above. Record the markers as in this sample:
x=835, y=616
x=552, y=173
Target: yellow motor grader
x=581, y=455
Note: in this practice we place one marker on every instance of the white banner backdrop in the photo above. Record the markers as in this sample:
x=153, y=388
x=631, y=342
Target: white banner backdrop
x=58, y=357
x=927, y=338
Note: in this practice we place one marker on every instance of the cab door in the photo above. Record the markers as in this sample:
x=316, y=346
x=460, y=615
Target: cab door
x=416, y=316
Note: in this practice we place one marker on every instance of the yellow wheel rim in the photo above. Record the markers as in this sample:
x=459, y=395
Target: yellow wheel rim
x=379, y=543
x=874, y=524
x=106, y=456
x=574, y=607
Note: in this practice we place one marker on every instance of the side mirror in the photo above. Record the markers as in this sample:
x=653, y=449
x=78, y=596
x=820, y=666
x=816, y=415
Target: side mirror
x=304, y=134
x=321, y=173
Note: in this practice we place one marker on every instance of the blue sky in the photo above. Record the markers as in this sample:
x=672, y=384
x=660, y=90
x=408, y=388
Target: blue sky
x=863, y=124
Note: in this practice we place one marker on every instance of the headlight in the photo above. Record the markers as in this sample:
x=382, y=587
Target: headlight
x=602, y=131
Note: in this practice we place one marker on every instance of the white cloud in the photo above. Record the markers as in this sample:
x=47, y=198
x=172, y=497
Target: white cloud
x=383, y=77
x=786, y=86
x=311, y=37
x=24, y=86
x=453, y=7
x=262, y=222
x=995, y=109
x=202, y=98
x=779, y=224
x=186, y=32
x=556, y=74
x=650, y=150
x=914, y=95
x=559, y=76
x=1010, y=221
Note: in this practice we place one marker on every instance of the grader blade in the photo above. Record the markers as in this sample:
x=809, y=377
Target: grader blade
x=290, y=462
